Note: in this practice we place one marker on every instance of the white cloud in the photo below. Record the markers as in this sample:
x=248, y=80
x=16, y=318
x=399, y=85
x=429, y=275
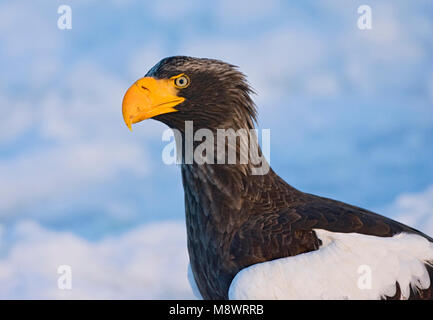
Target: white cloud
x=144, y=58
x=149, y=262
x=322, y=84
x=85, y=104
x=381, y=57
x=415, y=210
x=29, y=28
x=55, y=172
x=23, y=20
x=16, y=118
x=169, y=11
x=235, y=13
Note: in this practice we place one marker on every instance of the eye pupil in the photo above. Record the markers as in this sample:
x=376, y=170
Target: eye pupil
x=182, y=81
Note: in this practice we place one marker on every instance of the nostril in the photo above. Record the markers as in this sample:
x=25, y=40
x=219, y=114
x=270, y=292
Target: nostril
x=143, y=87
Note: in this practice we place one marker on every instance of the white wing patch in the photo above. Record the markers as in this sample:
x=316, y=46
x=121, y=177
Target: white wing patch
x=346, y=266
x=193, y=284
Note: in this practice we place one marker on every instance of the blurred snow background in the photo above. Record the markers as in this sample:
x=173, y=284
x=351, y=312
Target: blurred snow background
x=350, y=113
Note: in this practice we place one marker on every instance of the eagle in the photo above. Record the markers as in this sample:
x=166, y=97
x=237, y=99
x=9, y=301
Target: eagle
x=252, y=235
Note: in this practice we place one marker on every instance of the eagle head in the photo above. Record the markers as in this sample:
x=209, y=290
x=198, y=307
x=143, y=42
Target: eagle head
x=211, y=93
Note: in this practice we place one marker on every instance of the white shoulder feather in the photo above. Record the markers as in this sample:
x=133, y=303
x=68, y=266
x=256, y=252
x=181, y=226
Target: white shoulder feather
x=346, y=266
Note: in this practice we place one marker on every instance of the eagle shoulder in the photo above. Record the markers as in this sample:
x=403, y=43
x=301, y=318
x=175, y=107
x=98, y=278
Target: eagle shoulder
x=346, y=266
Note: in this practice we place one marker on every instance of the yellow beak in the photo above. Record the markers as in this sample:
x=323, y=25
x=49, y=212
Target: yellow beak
x=147, y=98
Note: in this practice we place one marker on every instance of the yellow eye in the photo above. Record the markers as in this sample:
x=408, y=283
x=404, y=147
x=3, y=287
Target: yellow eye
x=181, y=81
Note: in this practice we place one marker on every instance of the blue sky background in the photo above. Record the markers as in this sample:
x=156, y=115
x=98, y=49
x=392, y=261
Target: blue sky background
x=350, y=113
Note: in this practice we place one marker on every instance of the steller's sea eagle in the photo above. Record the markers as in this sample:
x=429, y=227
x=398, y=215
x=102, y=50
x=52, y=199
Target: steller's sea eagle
x=253, y=236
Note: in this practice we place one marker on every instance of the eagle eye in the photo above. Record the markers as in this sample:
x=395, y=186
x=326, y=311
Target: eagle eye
x=181, y=81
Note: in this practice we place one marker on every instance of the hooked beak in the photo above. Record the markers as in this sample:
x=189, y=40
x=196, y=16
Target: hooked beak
x=147, y=98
